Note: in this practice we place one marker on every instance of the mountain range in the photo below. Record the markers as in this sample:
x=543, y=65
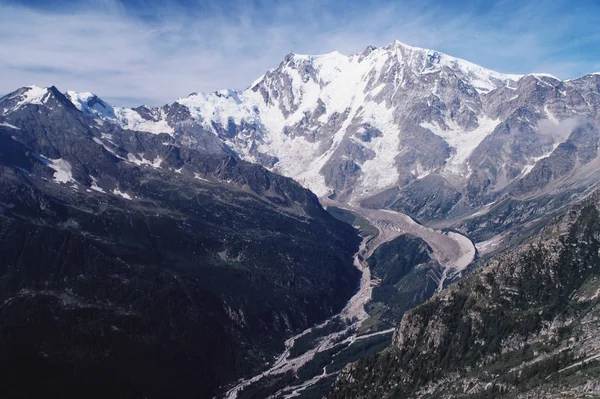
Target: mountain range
x=120, y=275
x=378, y=126
x=185, y=237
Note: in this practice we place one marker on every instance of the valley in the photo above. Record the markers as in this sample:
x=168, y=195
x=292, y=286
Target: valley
x=394, y=222
x=524, y=325
x=452, y=250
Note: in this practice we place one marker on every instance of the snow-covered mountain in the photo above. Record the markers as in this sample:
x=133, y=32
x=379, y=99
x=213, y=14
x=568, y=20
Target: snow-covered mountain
x=401, y=127
x=148, y=215
x=324, y=117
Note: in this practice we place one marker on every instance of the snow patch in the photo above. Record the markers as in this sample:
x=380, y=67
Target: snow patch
x=217, y=107
x=95, y=186
x=419, y=172
x=5, y=124
x=464, y=142
x=130, y=119
x=116, y=191
x=63, y=171
x=143, y=161
x=127, y=118
x=92, y=105
x=543, y=75
x=529, y=167
x=31, y=95
x=34, y=95
x=157, y=162
x=484, y=209
x=107, y=148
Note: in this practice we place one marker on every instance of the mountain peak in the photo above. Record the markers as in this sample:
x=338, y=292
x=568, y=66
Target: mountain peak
x=87, y=98
x=33, y=95
x=289, y=56
x=91, y=104
x=310, y=57
x=398, y=43
x=368, y=51
x=544, y=75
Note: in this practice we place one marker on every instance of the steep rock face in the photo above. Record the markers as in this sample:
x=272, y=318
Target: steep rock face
x=368, y=127
x=526, y=325
x=128, y=261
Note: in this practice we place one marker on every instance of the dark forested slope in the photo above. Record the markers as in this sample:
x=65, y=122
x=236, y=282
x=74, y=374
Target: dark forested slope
x=133, y=267
x=525, y=326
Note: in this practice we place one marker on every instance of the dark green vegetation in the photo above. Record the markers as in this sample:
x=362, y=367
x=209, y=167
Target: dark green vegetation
x=519, y=327
x=193, y=282
x=406, y=275
x=318, y=390
x=357, y=350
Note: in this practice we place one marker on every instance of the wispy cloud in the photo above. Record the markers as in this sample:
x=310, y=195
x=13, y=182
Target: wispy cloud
x=164, y=50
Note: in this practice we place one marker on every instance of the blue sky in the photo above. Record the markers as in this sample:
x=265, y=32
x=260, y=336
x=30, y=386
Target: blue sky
x=133, y=52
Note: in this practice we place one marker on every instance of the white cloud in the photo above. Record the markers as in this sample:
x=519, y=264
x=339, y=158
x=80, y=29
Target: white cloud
x=127, y=59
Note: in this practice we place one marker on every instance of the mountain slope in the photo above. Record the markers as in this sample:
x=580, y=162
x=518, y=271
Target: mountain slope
x=397, y=127
x=325, y=104
x=495, y=157
x=128, y=262
x=525, y=326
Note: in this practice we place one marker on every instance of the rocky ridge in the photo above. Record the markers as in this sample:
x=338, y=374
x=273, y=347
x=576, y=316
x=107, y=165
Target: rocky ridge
x=524, y=326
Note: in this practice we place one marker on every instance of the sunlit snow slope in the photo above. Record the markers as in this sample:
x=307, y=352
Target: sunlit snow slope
x=380, y=126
